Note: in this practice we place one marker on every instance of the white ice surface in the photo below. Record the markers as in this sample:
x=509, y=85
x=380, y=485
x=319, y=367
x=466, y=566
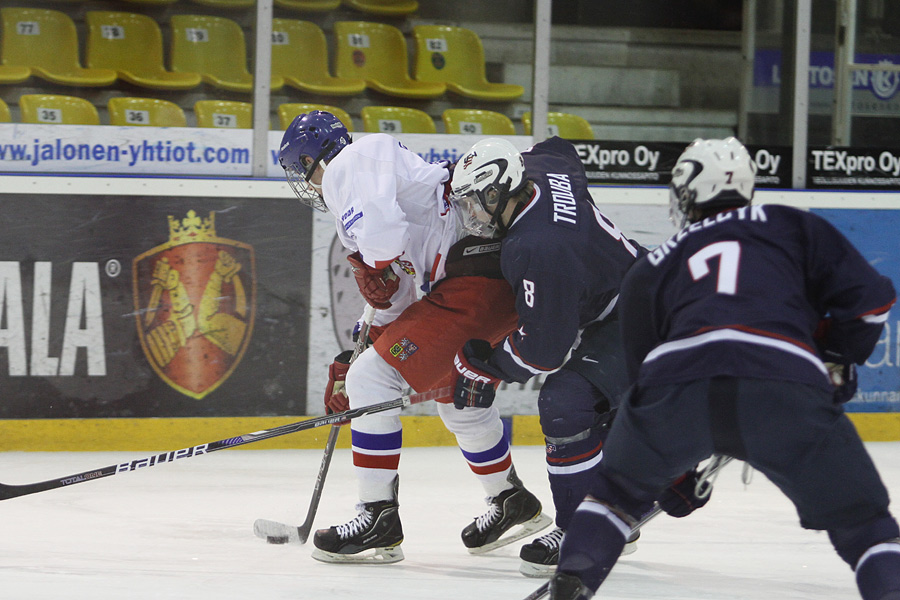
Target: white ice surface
x=184, y=530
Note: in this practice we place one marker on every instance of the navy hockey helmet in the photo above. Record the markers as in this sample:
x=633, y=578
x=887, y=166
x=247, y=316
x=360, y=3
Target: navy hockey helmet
x=710, y=175
x=311, y=139
x=484, y=180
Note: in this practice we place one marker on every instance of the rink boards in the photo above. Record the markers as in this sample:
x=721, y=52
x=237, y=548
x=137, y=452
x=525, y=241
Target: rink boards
x=85, y=368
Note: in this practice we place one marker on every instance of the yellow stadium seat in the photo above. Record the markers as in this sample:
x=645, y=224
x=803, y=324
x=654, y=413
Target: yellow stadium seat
x=215, y=48
x=14, y=74
x=46, y=42
x=132, y=44
x=57, y=110
x=395, y=119
x=287, y=112
x=309, y=5
x=300, y=57
x=565, y=125
x=226, y=3
x=454, y=56
x=145, y=112
x=5, y=117
x=477, y=122
x=224, y=114
x=377, y=53
x=390, y=8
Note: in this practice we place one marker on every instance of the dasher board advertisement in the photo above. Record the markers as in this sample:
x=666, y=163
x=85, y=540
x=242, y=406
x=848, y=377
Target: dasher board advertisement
x=117, y=306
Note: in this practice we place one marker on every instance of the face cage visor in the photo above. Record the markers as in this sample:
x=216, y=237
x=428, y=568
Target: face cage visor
x=475, y=219
x=308, y=193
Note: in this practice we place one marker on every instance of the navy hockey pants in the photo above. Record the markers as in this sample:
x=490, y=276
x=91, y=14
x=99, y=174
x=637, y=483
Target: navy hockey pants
x=791, y=432
x=574, y=406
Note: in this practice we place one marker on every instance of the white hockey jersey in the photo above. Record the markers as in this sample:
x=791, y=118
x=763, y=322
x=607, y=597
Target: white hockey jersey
x=388, y=204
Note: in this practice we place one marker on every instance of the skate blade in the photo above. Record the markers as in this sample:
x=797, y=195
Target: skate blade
x=541, y=521
x=380, y=556
x=546, y=571
x=630, y=548
x=537, y=571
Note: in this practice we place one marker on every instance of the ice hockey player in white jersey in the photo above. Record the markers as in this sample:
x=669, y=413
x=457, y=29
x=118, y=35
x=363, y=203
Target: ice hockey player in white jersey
x=434, y=288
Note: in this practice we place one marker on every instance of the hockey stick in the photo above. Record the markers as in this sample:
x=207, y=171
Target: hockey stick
x=304, y=529
x=708, y=474
x=8, y=491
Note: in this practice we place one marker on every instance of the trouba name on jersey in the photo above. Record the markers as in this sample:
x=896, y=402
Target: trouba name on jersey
x=744, y=213
x=563, y=198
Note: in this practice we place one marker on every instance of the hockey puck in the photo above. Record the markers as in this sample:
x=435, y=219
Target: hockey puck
x=277, y=539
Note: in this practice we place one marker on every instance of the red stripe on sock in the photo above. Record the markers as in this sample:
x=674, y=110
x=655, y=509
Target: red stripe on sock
x=373, y=461
x=498, y=467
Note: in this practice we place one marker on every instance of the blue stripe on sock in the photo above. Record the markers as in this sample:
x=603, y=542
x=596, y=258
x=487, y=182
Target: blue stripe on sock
x=496, y=453
x=377, y=441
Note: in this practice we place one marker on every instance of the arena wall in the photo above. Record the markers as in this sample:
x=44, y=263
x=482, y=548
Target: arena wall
x=89, y=360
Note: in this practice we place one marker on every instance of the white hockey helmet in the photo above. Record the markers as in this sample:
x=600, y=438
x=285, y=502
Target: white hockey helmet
x=710, y=175
x=484, y=180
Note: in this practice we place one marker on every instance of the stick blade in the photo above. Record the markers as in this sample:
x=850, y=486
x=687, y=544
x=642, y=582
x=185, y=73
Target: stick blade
x=278, y=533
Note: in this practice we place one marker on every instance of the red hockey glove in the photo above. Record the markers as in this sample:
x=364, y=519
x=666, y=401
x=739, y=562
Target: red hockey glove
x=476, y=382
x=376, y=285
x=680, y=499
x=335, y=398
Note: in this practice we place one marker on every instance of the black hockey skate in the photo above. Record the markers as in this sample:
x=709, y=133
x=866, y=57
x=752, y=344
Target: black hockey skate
x=565, y=586
x=374, y=536
x=515, y=506
x=540, y=557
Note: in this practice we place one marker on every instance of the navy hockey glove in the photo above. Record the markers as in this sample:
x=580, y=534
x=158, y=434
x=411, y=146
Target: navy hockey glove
x=680, y=499
x=843, y=377
x=476, y=381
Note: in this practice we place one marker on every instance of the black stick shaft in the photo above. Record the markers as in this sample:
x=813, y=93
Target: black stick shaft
x=8, y=491
x=331, y=444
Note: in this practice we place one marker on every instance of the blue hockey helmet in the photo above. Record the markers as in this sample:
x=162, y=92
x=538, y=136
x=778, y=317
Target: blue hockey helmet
x=710, y=176
x=312, y=139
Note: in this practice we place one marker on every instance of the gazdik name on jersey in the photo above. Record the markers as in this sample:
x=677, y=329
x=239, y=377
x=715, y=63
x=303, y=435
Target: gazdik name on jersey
x=84, y=307
x=744, y=213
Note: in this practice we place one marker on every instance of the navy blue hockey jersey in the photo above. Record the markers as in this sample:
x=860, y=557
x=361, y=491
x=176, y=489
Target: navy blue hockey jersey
x=564, y=260
x=743, y=294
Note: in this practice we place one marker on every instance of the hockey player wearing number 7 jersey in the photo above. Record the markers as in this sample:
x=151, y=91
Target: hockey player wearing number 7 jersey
x=565, y=261
x=728, y=328
x=433, y=290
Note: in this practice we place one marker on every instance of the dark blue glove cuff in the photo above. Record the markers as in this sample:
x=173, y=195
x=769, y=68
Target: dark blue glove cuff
x=476, y=381
x=680, y=499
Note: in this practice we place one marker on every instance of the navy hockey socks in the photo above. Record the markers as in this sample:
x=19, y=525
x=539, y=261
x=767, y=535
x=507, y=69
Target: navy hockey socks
x=593, y=543
x=878, y=572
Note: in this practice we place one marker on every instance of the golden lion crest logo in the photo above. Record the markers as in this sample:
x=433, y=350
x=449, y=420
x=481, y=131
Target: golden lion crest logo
x=195, y=302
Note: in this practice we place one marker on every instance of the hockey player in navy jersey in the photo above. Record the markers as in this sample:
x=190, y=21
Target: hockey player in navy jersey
x=731, y=329
x=565, y=261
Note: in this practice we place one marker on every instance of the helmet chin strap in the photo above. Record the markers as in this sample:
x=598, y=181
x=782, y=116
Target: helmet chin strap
x=328, y=147
x=518, y=207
